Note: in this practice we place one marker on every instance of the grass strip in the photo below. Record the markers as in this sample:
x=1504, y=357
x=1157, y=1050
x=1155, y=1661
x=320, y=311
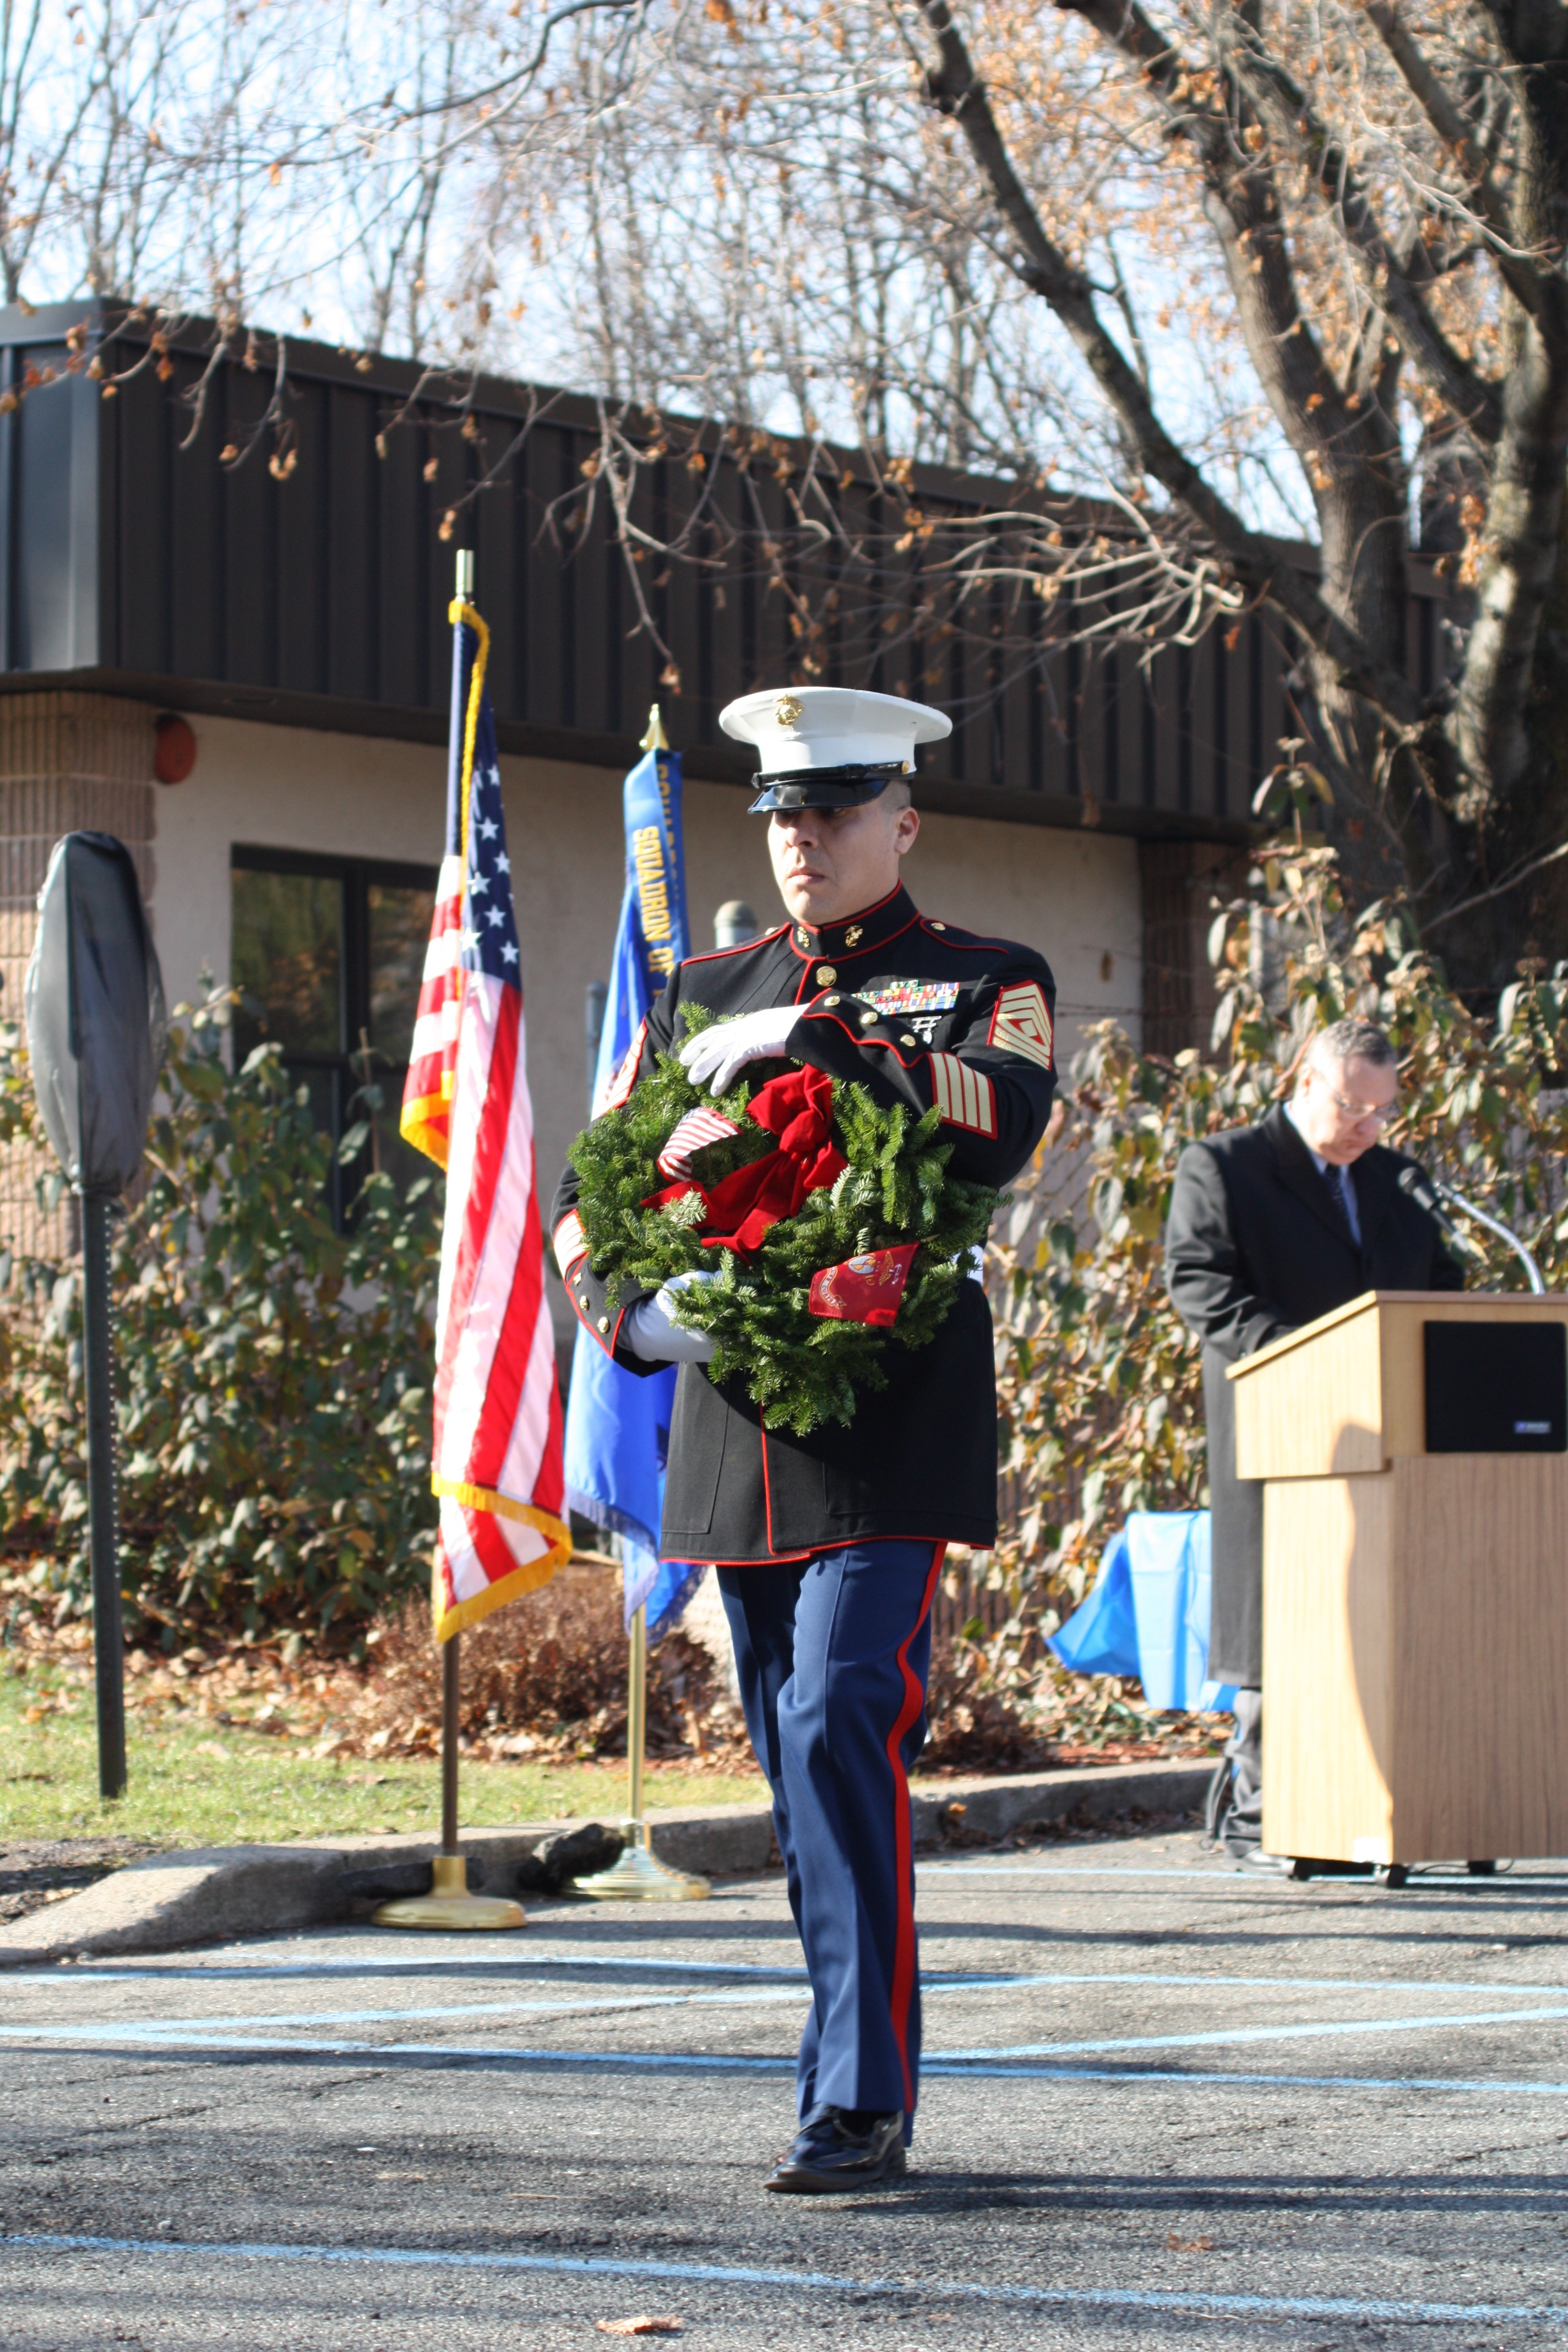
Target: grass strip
x=193, y=1782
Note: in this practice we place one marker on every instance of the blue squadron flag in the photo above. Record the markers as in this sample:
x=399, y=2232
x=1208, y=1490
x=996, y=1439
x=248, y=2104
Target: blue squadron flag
x=617, y=1426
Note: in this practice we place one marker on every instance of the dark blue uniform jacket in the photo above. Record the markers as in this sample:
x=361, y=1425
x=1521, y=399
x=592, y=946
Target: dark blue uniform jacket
x=921, y=1012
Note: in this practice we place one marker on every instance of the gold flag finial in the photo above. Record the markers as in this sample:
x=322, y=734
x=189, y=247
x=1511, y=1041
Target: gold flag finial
x=655, y=739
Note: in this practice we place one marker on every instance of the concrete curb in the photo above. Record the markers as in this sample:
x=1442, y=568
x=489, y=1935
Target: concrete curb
x=173, y=1900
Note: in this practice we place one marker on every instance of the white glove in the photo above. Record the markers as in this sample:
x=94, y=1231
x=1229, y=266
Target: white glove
x=721, y=1052
x=652, y=1334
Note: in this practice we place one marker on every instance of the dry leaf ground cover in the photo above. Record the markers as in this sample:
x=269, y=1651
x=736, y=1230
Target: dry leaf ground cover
x=231, y=1742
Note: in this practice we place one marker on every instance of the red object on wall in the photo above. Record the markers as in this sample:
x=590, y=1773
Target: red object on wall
x=174, y=749
x=863, y=1289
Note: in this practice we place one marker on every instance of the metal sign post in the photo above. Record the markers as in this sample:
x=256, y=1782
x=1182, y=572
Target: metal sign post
x=102, y=1497
x=96, y=1033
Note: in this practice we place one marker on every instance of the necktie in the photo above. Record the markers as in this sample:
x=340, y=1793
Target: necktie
x=1339, y=1183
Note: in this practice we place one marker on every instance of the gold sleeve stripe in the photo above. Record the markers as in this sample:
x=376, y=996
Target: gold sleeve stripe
x=1022, y=1024
x=964, y=1096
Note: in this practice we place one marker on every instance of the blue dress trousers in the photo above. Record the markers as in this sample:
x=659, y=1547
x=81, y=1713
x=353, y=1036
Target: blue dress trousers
x=833, y=1654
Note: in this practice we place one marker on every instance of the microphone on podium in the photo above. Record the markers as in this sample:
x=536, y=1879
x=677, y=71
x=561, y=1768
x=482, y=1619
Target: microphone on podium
x=1430, y=1192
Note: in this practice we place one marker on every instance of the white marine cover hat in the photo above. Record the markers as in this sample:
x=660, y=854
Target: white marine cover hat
x=829, y=746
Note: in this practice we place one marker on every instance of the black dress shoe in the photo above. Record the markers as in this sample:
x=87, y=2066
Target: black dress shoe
x=829, y=2157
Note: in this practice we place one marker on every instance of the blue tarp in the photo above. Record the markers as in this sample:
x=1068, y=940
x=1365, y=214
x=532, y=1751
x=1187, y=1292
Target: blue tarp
x=1149, y=1612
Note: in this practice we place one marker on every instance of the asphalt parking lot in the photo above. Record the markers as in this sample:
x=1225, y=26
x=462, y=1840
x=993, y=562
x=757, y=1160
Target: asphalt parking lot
x=1163, y=2102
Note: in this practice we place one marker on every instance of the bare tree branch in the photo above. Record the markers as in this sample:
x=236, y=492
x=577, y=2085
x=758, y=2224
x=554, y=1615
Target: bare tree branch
x=956, y=89
x=1202, y=123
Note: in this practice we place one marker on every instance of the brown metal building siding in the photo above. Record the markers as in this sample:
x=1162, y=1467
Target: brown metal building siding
x=322, y=598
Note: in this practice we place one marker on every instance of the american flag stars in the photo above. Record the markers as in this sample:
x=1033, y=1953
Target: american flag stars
x=490, y=925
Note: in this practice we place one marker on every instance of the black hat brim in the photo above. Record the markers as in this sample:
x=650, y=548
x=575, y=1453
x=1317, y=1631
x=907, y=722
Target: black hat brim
x=824, y=788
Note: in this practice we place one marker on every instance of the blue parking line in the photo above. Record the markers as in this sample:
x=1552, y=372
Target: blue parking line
x=1229, y=2037
x=1545, y=1883
x=706, y=2062
x=750, y=1996
x=1262, y=2306
x=437, y=2053
x=932, y=1981
x=200, y=2027
x=198, y=2033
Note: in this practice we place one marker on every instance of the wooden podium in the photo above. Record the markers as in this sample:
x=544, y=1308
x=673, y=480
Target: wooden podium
x=1414, y=1596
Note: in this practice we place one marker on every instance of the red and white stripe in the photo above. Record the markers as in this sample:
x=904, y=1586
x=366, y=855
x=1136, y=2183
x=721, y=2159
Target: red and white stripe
x=433, y=1055
x=571, y=1242
x=693, y=1134
x=618, y=1091
x=966, y=1096
x=497, y=1436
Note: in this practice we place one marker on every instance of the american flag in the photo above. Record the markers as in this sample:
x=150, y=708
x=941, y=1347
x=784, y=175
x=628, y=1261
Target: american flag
x=497, y=1453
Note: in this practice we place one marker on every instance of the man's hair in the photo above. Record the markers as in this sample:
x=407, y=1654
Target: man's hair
x=897, y=793
x=1351, y=1041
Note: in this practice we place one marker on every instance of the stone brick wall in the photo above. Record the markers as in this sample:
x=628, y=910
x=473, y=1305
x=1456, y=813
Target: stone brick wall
x=1179, y=881
x=69, y=762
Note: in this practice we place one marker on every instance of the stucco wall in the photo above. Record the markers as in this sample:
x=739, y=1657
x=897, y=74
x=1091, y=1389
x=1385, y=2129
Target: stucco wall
x=1072, y=895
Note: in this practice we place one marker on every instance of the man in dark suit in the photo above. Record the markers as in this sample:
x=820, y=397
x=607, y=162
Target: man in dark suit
x=1271, y=1226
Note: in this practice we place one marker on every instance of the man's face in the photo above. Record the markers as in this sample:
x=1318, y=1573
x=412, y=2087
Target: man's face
x=1342, y=1106
x=832, y=863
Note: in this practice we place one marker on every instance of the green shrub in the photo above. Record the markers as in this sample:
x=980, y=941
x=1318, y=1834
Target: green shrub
x=272, y=1374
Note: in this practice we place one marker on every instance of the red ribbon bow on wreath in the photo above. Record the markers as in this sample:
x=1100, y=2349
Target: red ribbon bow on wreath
x=798, y=1109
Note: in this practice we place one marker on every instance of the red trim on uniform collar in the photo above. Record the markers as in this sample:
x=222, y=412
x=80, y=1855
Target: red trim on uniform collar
x=866, y=933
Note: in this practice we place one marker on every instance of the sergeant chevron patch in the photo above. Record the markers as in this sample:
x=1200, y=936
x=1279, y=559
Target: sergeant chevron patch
x=1021, y=1024
x=570, y=1242
x=965, y=1098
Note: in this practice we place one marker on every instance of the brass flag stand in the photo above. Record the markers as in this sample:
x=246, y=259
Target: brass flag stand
x=639, y=1876
x=448, y=1903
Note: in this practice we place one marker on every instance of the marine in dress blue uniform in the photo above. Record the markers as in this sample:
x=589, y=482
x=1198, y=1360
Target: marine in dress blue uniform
x=828, y=1548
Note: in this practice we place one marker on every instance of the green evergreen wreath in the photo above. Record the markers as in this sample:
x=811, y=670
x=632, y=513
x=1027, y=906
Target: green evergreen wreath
x=801, y=1369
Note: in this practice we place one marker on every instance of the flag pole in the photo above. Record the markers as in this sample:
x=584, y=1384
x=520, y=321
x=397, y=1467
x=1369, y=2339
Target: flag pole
x=448, y=1903
x=639, y=1875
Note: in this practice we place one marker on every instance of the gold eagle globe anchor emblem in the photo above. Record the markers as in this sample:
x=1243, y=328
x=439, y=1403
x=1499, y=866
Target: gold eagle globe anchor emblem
x=788, y=710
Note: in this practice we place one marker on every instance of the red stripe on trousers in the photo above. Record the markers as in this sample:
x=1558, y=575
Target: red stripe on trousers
x=903, y=1843
x=489, y=1151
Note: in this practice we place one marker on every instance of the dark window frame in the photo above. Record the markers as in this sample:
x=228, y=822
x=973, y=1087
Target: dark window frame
x=356, y=877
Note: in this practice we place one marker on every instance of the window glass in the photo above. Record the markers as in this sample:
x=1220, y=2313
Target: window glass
x=329, y=957
x=288, y=962
x=399, y=929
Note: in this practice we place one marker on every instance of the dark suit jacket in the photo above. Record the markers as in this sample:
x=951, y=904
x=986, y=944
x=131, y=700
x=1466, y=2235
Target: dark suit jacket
x=1257, y=1246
